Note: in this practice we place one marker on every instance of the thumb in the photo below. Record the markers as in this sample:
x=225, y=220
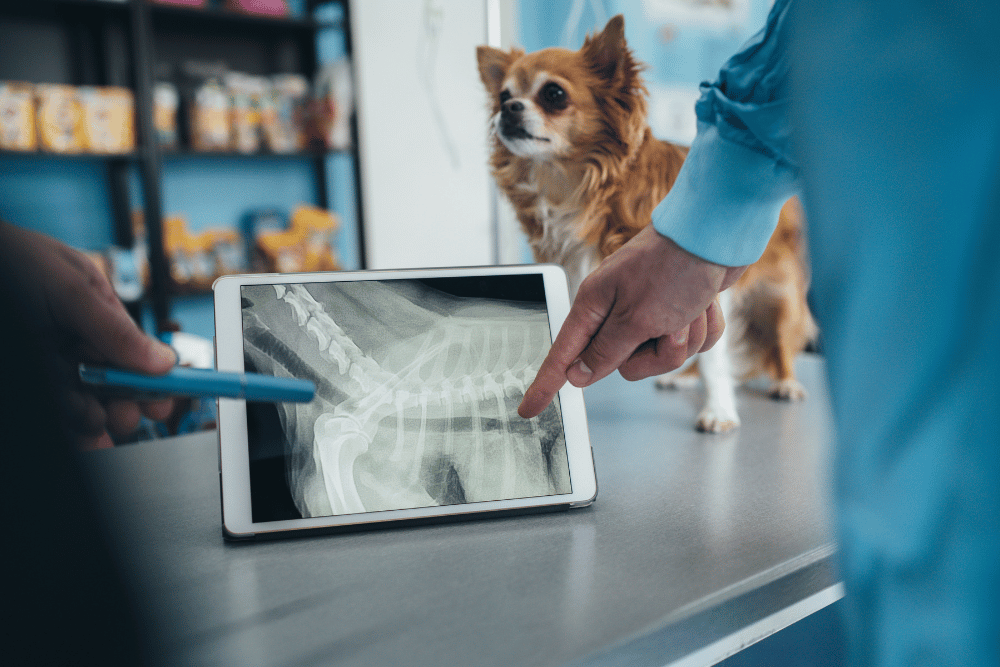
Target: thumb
x=123, y=344
x=92, y=311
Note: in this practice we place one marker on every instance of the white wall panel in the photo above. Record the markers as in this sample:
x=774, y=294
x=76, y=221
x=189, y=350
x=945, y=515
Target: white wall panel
x=422, y=125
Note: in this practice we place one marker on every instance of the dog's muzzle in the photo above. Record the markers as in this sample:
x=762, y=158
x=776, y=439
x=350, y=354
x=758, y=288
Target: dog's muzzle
x=512, y=122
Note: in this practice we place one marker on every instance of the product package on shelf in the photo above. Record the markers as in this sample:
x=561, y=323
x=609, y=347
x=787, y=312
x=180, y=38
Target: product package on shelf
x=196, y=260
x=108, y=119
x=125, y=268
x=126, y=272
x=283, y=113
x=246, y=94
x=228, y=251
x=194, y=4
x=17, y=116
x=318, y=228
x=306, y=245
x=332, y=106
x=59, y=118
x=259, y=7
x=210, y=128
x=255, y=224
x=190, y=264
x=166, y=101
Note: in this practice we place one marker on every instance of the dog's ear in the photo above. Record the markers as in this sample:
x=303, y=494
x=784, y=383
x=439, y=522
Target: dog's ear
x=493, y=65
x=606, y=52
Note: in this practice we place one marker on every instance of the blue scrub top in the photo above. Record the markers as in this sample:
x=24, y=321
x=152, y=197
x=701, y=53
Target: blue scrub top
x=886, y=117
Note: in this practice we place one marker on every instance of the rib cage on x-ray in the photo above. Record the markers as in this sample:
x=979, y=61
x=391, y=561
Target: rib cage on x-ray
x=417, y=393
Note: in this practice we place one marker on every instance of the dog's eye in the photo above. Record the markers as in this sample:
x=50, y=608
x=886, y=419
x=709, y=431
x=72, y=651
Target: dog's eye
x=553, y=95
x=504, y=96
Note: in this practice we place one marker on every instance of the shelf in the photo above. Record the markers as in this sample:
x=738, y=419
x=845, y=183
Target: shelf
x=44, y=8
x=210, y=16
x=70, y=156
x=190, y=154
x=216, y=17
x=177, y=155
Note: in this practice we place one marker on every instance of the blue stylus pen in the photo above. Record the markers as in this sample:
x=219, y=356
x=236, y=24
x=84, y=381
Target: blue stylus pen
x=199, y=382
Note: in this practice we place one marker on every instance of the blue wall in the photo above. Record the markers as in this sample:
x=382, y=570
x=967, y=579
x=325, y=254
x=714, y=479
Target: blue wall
x=65, y=198
x=691, y=55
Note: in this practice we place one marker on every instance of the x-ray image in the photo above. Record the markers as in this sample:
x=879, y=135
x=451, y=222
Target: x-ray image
x=418, y=384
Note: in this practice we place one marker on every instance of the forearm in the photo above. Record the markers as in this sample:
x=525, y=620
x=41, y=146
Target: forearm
x=739, y=171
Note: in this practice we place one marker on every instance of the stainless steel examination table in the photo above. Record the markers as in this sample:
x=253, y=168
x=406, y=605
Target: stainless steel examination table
x=697, y=546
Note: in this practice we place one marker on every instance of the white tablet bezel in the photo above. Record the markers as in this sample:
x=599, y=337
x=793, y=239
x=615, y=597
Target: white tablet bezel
x=232, y=422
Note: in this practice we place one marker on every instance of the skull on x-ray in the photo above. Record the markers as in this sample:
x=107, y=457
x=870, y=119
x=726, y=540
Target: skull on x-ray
x=417, y=392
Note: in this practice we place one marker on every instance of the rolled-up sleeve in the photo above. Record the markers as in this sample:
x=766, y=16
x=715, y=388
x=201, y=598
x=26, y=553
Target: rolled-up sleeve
x=739, y=172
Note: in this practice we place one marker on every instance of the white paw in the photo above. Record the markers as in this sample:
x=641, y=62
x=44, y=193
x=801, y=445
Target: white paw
x=788, y=390
x=677, y=381
x=717, y=421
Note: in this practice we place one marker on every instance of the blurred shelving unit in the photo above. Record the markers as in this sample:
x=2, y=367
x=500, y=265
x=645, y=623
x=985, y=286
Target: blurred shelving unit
x=123, y=43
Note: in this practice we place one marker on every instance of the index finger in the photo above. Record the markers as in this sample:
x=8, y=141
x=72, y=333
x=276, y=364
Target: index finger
x=578, y=329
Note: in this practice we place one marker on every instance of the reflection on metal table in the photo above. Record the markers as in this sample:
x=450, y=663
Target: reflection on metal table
x=697, y=546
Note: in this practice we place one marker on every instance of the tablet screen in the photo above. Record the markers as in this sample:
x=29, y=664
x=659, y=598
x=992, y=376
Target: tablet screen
x=418, y=383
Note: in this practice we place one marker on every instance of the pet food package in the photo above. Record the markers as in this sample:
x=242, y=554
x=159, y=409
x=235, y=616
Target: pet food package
x=282, y=252
x=255, y=224
x=59, y=119
x=126, y=272
x=317, y=228
x=194, y=4
x=259, y=7
x=245, y=96
x=166, y=101
x=333, y=104
x=197, y=259
x=210, y=117
x=108, y=119
x=283, y=113
x=227, y=250
x=17, y=116
x=306, y=245
x=192, y=266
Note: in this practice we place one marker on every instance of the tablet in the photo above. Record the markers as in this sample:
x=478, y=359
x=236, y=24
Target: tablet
x=418, y=377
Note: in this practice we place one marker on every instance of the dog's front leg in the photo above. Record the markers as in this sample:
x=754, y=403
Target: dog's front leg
x=719, y=414
x=578, y=266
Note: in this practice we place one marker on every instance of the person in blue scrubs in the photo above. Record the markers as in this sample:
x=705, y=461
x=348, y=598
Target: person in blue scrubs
x=885, y=118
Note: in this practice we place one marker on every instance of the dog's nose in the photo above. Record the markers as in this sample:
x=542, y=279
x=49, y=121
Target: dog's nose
x=512, y=120
x=513, y=106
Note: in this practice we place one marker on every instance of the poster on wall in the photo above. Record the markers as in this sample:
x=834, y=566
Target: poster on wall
x=671, y=111
x=709, y=14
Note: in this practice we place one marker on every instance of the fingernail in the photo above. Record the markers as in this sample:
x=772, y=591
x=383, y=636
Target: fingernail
x=520, y=408
x=164, y=352
x=579, y=374
x=680, y=337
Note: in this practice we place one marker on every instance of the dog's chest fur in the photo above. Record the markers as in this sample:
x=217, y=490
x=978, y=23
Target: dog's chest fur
x=555, y=214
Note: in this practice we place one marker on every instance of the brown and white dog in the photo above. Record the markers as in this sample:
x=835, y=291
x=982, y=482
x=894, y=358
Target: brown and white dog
x=573, y=152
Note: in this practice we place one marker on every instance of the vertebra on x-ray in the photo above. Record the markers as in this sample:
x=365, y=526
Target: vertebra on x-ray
x=417, y=395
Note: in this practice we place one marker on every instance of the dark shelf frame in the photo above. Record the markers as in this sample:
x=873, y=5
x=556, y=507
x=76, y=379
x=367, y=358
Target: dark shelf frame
x=130, y=156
